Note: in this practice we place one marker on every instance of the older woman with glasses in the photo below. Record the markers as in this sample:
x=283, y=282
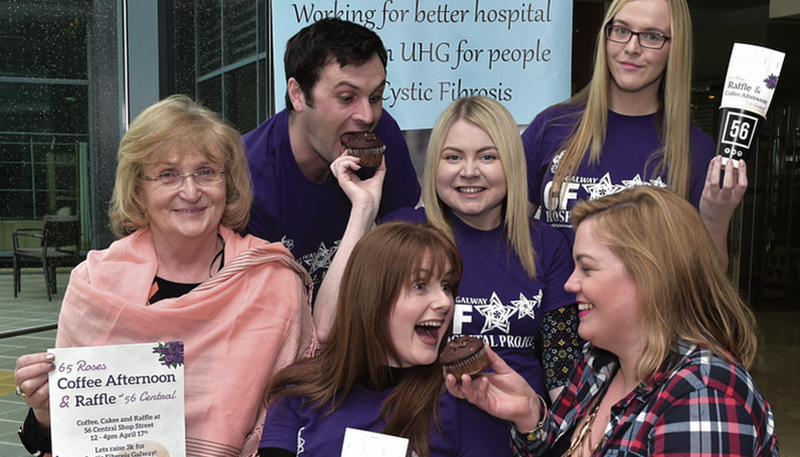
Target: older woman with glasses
x=180, y=272
x=631, y=125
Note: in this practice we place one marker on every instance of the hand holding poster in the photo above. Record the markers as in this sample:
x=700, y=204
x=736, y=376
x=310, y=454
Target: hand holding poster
x=518, y=53
x=118, y=401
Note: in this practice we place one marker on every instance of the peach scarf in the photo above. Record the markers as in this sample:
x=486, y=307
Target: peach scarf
x=239, y=327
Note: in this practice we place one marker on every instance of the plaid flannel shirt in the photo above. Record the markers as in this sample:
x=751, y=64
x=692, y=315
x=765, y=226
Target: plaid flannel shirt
x=698, y=405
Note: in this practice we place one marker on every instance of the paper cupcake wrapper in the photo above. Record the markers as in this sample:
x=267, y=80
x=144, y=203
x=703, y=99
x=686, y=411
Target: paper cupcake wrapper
x=468, y=364
x=378, y=150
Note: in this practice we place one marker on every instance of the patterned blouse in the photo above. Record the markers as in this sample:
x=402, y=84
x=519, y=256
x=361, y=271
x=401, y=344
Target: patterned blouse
x=558, y=345
x=698, y=404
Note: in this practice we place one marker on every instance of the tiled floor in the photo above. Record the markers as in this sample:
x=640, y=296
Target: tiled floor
x=30, y=309
x=776, y=370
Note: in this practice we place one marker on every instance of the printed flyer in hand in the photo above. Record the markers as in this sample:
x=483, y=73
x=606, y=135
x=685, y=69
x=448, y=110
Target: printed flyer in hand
x=118, y=401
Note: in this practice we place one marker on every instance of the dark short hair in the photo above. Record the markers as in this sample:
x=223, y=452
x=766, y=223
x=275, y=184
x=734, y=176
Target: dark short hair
x=315, y=45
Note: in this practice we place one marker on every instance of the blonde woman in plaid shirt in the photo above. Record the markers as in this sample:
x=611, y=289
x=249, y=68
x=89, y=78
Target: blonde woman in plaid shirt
x=664, y=371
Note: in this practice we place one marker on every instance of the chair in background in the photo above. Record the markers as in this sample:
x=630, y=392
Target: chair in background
x=60, y=242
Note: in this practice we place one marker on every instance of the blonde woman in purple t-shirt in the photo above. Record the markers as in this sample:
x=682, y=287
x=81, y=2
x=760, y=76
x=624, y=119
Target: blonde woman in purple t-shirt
x=631, y=125
x=475, y=191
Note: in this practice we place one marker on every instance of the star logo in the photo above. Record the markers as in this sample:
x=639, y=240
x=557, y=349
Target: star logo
x=300, y=441
x=288, y=243
x=602, y=188
x=321, y=259
x=636, y=181
x=496, y=315
x=556, y=160
x=526, y=307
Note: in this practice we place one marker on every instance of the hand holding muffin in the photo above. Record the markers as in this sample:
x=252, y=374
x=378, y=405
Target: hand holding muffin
x=362, y=150
x=363, y=194
x=502, y=393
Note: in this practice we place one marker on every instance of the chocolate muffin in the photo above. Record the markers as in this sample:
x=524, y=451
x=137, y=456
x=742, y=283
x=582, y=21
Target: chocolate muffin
x=464, y=355
x=365, y=145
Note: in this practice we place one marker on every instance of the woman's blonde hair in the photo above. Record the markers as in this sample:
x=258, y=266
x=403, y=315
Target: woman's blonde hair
x=589, y=134
x=499, y=124
x=683, y=290
x=178, y=124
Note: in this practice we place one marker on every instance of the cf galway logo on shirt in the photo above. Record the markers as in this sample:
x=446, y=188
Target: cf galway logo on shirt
x=496, y=315
x=557, y=208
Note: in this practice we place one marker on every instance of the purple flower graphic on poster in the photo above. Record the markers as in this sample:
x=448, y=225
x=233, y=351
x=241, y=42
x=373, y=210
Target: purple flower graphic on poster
x=171, y=354
x=771, y=81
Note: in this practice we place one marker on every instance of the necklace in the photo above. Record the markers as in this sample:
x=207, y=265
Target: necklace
x=585, y=431
x=220, y=255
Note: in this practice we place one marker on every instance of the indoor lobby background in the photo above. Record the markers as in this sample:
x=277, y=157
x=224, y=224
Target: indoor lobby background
x=73, y=73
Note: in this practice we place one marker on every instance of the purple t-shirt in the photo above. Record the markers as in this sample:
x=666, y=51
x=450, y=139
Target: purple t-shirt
x=497, y=301
x=293, y=424
x=308, y=217
x=630, y=142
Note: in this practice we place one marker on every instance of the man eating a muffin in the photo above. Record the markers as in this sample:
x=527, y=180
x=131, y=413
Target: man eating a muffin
x=335, y=77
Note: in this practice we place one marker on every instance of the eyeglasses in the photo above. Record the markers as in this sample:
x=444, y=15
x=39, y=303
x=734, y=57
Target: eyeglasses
x=202, y=177
x=622, y=34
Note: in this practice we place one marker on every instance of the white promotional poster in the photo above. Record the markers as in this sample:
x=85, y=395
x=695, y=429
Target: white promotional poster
x=752, y=77
x=750, y=83
x=518, y=53
x=359, y=443
x=118, y=401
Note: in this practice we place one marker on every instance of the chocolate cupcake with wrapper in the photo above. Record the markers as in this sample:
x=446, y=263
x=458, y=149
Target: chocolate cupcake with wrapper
x=366, y=146
x=464, y=355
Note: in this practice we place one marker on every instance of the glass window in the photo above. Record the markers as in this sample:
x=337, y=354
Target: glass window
x=228, y=42
x=241, y=89
x=44, y=104
x=209, y=44
x=44, y=39
x=240, y=19
x=209, y=93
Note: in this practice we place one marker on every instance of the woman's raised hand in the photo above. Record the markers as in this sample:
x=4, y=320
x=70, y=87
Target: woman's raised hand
x=721, y=195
